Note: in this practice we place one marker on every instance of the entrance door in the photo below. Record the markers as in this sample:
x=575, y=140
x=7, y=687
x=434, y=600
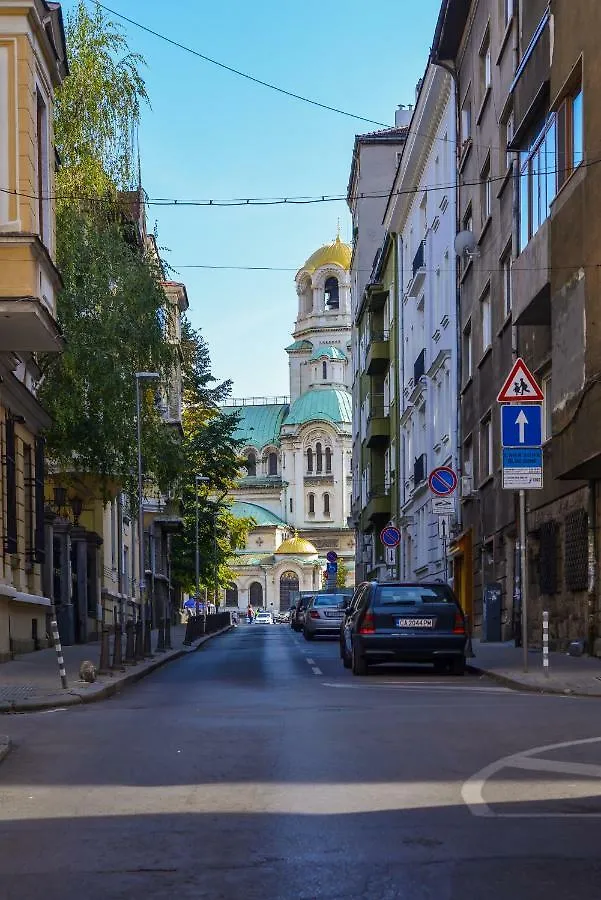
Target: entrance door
x=288, y=585
x=256, y=595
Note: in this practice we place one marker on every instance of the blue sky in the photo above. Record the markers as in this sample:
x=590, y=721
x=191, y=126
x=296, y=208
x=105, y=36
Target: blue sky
x=212, y=135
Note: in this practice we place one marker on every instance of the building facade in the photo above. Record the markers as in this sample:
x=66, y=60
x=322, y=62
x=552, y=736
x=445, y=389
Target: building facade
x=297, y=482
x=33, y=64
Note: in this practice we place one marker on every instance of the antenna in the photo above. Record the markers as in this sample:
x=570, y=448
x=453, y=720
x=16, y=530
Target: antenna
x=465, y=244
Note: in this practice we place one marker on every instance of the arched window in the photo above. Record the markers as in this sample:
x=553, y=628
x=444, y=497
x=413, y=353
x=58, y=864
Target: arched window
x=251, y=464
x=318, y=454
x=288, y=590
x=332, y=293
x=256, y=594
x=231, y=595
x=311, y=504
x=328, y=460
x=309, y=459
x=326, y=504
x=273, y=464
x=324, y=370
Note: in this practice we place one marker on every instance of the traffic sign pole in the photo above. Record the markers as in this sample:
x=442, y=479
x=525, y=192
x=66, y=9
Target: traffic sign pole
x=524, y=577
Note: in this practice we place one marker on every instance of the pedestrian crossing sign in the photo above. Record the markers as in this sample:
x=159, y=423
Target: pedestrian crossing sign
x=520, y=386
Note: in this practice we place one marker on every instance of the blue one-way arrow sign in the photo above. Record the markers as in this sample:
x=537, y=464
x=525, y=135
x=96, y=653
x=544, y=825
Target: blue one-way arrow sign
x=522, y=426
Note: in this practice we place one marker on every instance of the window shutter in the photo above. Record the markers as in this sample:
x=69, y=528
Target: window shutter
x=40, y=530
x=10, y=544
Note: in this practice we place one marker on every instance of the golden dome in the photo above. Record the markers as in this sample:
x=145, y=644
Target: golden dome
x=335, y=253
x=296, y=546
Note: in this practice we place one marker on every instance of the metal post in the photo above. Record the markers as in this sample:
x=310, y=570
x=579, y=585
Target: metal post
x=142, y=581
x=58, y=647
x=197, y=556
x=215, y=566
x=524, y=577
x=546, y=643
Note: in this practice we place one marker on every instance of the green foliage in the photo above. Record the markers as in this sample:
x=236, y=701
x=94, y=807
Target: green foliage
x=341, y=574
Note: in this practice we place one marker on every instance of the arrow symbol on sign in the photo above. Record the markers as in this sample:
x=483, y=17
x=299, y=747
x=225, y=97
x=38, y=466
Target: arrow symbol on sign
x=521, y=422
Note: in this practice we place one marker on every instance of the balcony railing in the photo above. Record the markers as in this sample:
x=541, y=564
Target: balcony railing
x=419, y=271
x=378, y=409
x=419, y=469
x=419, y=366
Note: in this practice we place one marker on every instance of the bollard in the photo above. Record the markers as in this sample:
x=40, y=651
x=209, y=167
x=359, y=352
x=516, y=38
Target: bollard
x=168, y=645
x=188, y=636
x=130, y=656
x=546, y=643
x=139, y=643
x=117, y=646
x=148, y=632
x=105, y=654
x=469, y=650
x=160, y=648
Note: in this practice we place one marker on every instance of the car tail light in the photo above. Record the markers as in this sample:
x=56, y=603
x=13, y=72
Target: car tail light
x=368, y=624
x=313, y=614
x=459, y=626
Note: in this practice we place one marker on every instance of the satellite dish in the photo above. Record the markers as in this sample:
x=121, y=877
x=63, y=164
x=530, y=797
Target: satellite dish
x=465, y=243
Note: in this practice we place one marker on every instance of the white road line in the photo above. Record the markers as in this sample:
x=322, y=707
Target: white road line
x=317, y=671
x=472, y=790
x=310, y=661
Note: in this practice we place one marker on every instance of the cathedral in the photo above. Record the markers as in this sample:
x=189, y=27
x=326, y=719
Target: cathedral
x=297, y=479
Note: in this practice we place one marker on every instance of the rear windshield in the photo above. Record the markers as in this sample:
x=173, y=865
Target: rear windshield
x=329, y=600
x=412, y=595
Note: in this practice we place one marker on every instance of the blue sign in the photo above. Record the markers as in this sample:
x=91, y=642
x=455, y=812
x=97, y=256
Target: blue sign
x=331, y=567
x=522, y=457
x=390, y=536
x=442, y=481
x=522, y=425
x=331, y=556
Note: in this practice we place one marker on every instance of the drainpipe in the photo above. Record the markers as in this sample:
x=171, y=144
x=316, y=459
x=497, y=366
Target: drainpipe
x=400, y=375
x=592, y=566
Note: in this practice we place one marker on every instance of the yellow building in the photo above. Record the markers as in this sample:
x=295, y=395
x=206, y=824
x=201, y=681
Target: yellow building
x=32, y=65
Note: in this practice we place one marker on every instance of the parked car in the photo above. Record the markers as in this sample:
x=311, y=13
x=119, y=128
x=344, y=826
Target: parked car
x=282, y=617
x=297, y=613
x=403, y=622
x=324, y=615
x=263, y=617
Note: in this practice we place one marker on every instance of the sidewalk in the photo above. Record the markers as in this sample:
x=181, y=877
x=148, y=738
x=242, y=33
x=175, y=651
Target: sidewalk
x=32, y=682
x=567, y=674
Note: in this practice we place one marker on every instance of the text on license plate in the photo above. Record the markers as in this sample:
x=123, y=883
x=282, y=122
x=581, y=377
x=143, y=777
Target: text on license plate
x=333, y=614
x=415, y=623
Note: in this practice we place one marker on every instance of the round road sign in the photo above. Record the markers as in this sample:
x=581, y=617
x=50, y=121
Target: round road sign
x=442, y=481
x=390, y=536
x=331, y=556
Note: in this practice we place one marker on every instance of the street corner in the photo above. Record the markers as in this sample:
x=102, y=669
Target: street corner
x=561, y=780
x=5, y=746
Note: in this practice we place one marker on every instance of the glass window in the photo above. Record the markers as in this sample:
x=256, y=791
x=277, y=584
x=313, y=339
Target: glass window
x=273, y=464
x=486, y=321
x=319, y=457
x=412, y=595
x=467, y=350
x=329, y=600
x=538, y=181
x=508, y=140
x=251, y=464
x=485, y=192
x=326, y=504
x=324, y=370
x=311, y=499
x=577, y=130
x=506, y=270
x=466, y=121
x=309, y=459
x=328, y=460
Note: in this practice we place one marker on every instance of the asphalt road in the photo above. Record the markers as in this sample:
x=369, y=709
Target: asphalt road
x=260, y=768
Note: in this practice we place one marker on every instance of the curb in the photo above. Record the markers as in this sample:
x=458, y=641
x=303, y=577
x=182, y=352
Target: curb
x=529, y=689
x=72, y=698
x=5, y=746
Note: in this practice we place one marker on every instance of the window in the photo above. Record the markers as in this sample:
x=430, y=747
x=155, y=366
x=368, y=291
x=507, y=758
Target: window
x=506, y=282
x=326, y=504
x=324, y=370
x=486, y=320
x=11, y=529
x=40, y=527
x=28, y=497
x=273, y=464
x=328, y=460
x=251, y=464
x=291, y=505
x=506, y=11
x=332, y=293
x=538, y=180
x=43, y=168
x=319, y=458
x=547, y=408
x=467, y=351
x=485, y=193
x=311, y=504
x=309, y=459
x=486, y=449
x=570, y=137
x=508, y=139
x=468, y=225
x=485, y=65
x=466, y=122
x=468, y=466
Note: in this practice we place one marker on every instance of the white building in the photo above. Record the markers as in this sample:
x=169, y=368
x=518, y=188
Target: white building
x=421, y=216
x=297, y=485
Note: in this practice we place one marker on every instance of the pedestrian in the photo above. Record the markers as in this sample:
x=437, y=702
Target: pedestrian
x=249, y=614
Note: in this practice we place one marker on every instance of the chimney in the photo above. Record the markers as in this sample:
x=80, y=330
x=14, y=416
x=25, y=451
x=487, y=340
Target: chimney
x=402, y=116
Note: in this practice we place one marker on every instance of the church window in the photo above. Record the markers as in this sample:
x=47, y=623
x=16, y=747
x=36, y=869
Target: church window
x=319, y=456
x=324, y=370
x=326, y=504
x=311, y=504
x=291, y=504
x=251, y=464
x=273, y=463
x=332, y=294
x=231, y=595
x=328, y=460
x=310, y=459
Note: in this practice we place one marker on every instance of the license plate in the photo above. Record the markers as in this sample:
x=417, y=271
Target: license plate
x=415, y=623
x=332, y=614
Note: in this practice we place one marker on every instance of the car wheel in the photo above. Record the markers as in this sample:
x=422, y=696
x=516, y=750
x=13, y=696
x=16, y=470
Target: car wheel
x=458, y=666
x=307, y=635
x=358, y=663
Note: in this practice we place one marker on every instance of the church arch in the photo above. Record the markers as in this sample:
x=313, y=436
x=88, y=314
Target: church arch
x=231, y=595
x=328, y=460
x=251, y=463
x=289, y=585
x=272, y=463
x=331, y=293
x=256, y=594
x=326, y=504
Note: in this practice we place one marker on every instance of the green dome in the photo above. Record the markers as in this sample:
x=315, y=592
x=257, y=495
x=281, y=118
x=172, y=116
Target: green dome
x=299, y=345
x=261, y=516
x=332, y=405
x=258, y=426
x=329, y=352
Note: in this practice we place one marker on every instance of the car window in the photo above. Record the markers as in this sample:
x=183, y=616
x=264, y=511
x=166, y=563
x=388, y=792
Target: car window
x=412, y=595
x=329, y=600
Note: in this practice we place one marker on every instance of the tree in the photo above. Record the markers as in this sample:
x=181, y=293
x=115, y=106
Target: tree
x=341, y=574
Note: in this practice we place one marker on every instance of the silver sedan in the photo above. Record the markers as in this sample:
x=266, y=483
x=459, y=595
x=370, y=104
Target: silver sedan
x=324, y=615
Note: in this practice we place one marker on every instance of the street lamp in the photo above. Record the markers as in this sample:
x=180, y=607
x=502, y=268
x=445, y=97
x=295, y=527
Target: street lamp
x=141, y=376
x=198, y=479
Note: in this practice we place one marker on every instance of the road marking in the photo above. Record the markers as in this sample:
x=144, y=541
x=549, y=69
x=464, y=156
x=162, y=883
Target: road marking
x=472, y=790
x=418, y=687
x=317, y=671
x=310, y=661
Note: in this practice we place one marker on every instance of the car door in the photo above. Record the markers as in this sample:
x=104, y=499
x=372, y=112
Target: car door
x=351, y=618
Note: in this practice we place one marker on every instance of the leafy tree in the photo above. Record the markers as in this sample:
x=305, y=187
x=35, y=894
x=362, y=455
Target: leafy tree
x=341, y=574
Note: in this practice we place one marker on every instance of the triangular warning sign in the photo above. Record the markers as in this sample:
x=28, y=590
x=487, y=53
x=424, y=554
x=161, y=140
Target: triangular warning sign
x=520, y=386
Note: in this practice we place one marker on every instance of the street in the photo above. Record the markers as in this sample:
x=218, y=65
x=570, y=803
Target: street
x=258, y=767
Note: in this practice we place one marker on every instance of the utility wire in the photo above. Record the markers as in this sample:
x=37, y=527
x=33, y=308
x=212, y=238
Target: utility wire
x=253, y=78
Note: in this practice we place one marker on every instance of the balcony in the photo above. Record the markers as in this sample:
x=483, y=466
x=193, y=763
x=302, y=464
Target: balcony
x=531, y=280
x=28, y=326
x=419, y=271
x=378, y=353
x=378, y=503
x=419, y=366
x=378, y=422
x=419, y=470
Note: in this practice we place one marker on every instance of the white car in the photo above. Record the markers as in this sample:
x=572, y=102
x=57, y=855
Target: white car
x=264, y=618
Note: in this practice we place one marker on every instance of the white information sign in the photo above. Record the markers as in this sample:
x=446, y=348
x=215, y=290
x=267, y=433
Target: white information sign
x=443, y=506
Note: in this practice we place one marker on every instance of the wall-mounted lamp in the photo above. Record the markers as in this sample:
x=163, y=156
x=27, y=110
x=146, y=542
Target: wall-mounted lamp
x=76, y=504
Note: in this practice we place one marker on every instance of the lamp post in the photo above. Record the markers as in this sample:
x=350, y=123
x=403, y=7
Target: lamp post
x=198, y=479
x=216, y=508
x=141, y=376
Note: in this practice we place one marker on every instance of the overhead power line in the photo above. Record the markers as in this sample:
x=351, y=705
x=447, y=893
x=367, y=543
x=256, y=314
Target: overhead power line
x=234, y=71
